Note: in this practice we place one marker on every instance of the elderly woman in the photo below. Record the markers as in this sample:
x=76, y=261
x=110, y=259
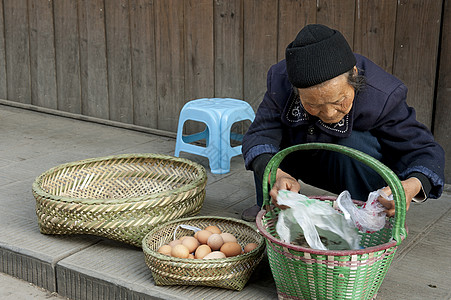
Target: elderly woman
x=323, y=92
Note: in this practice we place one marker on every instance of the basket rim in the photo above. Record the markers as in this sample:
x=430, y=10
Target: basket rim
x=202, y=178
x=243, y=256
x=268, y=236
x=399, y=232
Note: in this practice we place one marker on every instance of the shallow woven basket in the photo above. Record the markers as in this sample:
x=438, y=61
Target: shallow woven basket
x=120, y=197
x=305, y=273
x=230, y=273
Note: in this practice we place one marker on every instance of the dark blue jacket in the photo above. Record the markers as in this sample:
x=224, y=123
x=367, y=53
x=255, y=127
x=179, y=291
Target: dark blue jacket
x=380, y=108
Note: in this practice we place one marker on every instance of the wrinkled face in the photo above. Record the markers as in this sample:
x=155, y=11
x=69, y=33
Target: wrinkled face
x=329, y=101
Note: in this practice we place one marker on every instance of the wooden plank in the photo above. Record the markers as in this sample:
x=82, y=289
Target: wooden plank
x=142, y=36
x=339, y=15
x=93, y=65
x=67, y=56
x=228, y=47
x=260, y=47
x=3, y=88
x=42, y=53
x=293, y=16
x=375, y=31
x=170, y=62
x=199, y=50
x=415, y=57
x=119, y=61
x=17, y=51
x=442, y=122
x=199, y=55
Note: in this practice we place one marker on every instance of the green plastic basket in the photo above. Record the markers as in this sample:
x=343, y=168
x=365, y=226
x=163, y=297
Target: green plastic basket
x=305, y=273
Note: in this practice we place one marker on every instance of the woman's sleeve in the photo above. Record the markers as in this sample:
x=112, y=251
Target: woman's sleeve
x=410, y=144
x=265, y=133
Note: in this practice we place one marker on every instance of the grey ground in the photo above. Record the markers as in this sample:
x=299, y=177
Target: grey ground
x=37, y=266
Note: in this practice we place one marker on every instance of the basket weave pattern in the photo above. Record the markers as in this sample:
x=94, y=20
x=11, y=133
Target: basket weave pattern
x=231, y=273
x=119, y=197
x=305, y=273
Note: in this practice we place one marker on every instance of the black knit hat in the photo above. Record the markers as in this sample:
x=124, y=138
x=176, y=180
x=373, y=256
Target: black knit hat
x=317, y=54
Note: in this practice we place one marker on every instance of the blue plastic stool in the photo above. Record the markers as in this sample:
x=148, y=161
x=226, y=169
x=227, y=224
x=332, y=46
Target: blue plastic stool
x=219, y=114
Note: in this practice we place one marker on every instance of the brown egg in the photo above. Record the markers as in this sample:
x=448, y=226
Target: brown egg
x=213, y=229
x=249, y=247
x=183, y=237
x=215, y=241
x=190, y=256
x=215, y=255
x=180, y=251
x=231, y=249
x=203, y=235
x=174, y=243
x=191, y=243
x=228, y=237
x=165, y=249
x=202, y=251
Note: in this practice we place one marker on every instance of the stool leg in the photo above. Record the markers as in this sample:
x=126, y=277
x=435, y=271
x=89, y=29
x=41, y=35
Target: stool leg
x=182, y=142
x=179, y=139
x=213, y=141
x=213, y=150
x=227, y=151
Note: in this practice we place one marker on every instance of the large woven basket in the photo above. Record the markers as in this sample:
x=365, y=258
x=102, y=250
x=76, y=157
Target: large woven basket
x=305, y=273
x=120, y=197
x=230, y=273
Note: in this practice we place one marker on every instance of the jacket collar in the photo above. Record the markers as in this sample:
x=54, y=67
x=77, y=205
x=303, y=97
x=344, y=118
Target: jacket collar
x=295, y=115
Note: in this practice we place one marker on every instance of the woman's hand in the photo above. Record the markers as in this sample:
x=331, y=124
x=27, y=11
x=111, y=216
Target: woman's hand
x=284, y=181
x=412, y=186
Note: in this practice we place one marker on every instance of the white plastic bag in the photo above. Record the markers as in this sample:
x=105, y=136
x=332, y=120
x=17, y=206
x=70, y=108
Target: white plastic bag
x=368, y=218
x=314, y=218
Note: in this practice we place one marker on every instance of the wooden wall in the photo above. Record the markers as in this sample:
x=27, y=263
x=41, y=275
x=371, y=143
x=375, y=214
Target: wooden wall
x=139, y=61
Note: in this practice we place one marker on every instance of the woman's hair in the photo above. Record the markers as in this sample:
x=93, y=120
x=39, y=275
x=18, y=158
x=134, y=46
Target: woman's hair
x=355, y=79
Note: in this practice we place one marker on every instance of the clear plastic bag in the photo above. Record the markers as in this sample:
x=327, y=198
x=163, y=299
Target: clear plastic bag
x=313, y=219
x=368, y=218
